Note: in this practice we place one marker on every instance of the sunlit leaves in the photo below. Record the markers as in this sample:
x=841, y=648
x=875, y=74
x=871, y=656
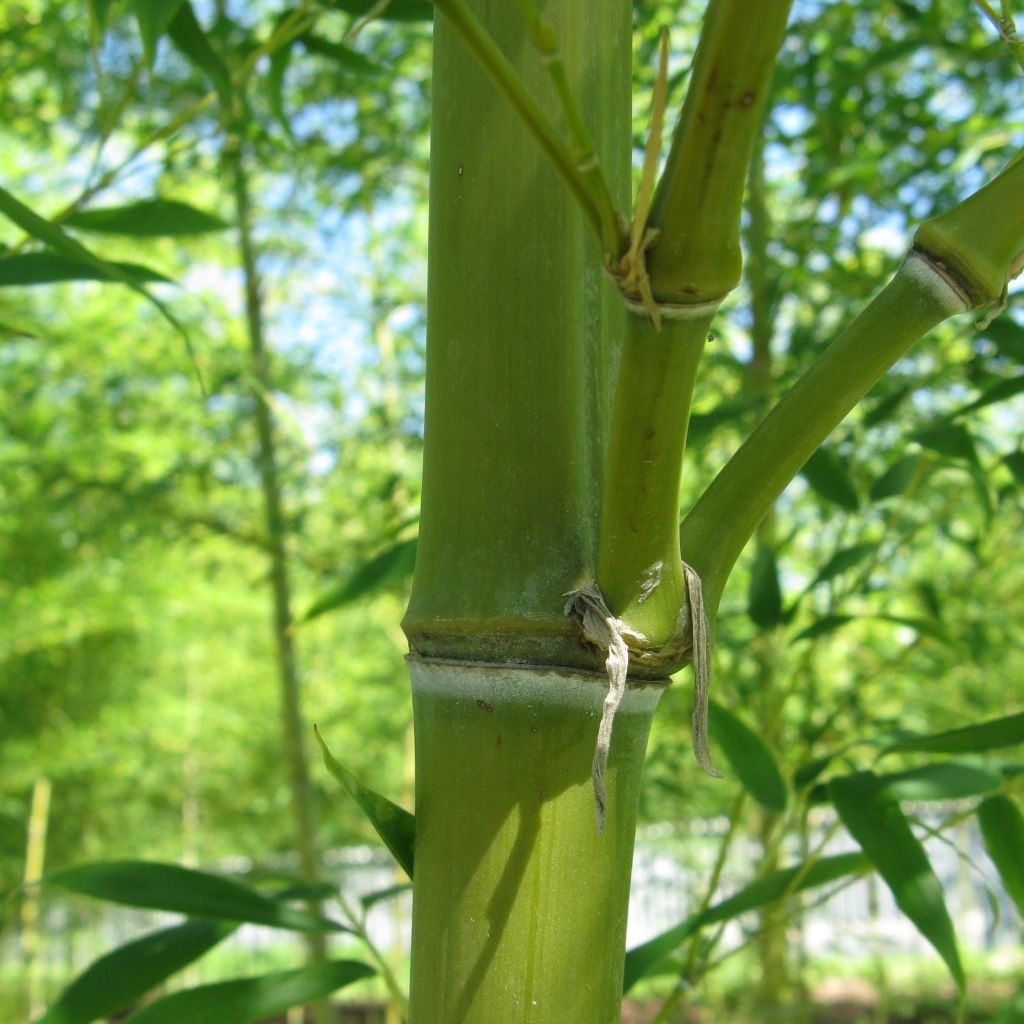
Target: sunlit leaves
x=184, y=891
x=750, y=757
x=251, y=999
x=118, y=979
x=153, y=17
x=395, y=825
x=29, y=268
x=873, y=817
x=391, y=566
x=829, y=475
x=971, y=739
x=156, y=217
x=1002, y=825
x=643, y=960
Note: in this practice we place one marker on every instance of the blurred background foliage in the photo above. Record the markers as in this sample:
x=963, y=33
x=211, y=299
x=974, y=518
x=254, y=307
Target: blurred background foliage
x=137, y=665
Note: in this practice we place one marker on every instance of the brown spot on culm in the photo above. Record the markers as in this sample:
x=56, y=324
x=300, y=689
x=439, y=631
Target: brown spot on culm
x=484, y=706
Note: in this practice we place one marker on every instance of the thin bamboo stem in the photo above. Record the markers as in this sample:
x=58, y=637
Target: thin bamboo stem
x=639, y=569
x=295, y=730
x=718, y=527
x=696, y=208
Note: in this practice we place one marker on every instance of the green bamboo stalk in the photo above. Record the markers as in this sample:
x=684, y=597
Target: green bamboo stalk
x=519, y=909
x=523, y=334
x=519, y=904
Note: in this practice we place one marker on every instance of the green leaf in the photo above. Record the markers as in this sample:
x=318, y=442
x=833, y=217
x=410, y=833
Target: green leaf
x=642, y=959
x=151, y=217
x=1008, y=336
x=10, y=330
x=1002, y=828
x=29, y=268
x=188, y=36
x=373, y=898
x=764, y=596
x=55, y=237
x=749, y=756
x=119, y=979
x=393, y=565
x=184, y=891
x=829, y=475
x=276, y=70
x=949, y=780
x=971, y=739
x=99, y=9
x=344, y=56
x=872, y=815
x=823, y=627
x=396, y=10
x=886, y=407
x=395, y=825
x=251, y=999
x=997, y=393
x=950, y=439
x=844, y=560
x=810, y=771
x=153, y=17
x=1015, y=464
x=896, y=479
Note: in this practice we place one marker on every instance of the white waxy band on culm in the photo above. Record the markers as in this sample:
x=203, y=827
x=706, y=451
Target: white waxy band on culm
x=918, y=266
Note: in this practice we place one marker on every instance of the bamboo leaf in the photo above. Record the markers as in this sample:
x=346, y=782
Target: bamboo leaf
x=1015, y=464
x=396, y=10
x=151, y=217
x=395, y=825
x=972, y=739
x=829, y=475
x=950, y=439
x=153, y=17
x=344, y=56
x=872, y=815
x=896, y=479
x=391, y=566
x=184, y=891
x=188, y=36
x=30, y=268
x=373, y=898
x=844, y=560
x=55, y=237
x=997, y=393
x=764, y=596
x=642, y=959
x=823, y=627
x=251, y=999
x=99, y=9
x=950, y=780
x=1008, y=337
x=118, y=979
x=749, y=756
x=1002, y=827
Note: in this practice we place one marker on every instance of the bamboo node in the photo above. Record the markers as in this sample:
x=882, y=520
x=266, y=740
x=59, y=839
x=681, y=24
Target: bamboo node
x=586, y=606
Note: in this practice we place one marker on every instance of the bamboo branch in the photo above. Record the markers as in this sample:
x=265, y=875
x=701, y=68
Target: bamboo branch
x=638, y=564
x=697, y=205
x=961, y=260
